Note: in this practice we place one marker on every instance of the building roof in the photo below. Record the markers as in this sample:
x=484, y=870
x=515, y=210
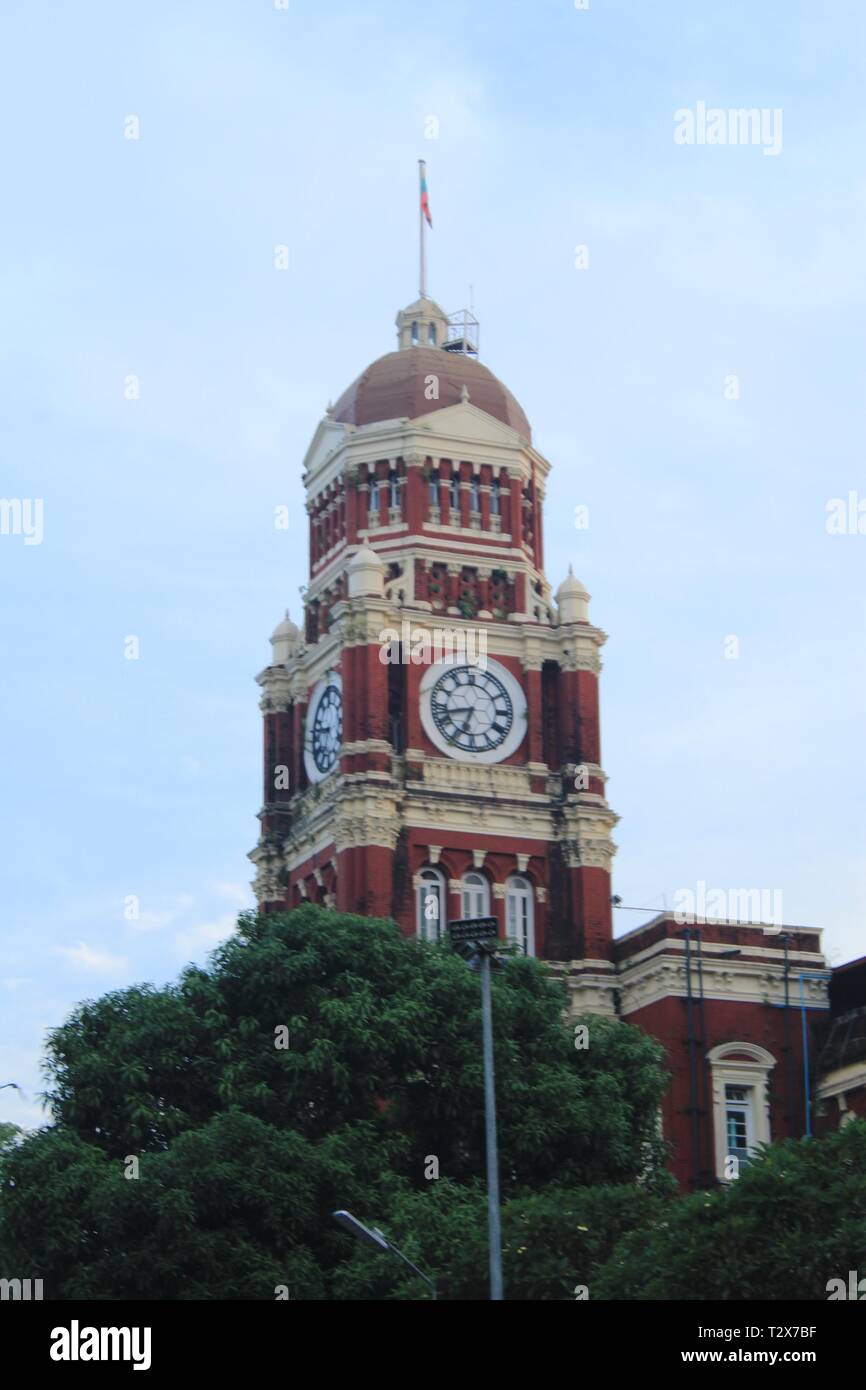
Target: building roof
x=393, y=388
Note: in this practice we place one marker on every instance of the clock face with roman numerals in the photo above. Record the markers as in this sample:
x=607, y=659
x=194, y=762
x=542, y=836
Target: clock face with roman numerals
x=474, y=712
x=472, y=709
x=324, y=727
x=327, y=727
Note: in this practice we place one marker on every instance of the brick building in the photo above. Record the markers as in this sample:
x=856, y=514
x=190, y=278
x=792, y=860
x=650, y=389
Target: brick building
x=402, y=785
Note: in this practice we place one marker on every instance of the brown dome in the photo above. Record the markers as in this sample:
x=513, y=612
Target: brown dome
x=392, y=388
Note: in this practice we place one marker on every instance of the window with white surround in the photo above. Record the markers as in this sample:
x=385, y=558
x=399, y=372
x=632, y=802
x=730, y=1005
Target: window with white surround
x=394, y=499
x=739, y=1122
x=741, y=1108
x=476, y=895
x=519, y=921
x=454, y=492
x=430, y=905
x=474, y=496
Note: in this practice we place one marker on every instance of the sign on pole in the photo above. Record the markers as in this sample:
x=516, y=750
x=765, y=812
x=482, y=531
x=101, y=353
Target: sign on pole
x=470, y=929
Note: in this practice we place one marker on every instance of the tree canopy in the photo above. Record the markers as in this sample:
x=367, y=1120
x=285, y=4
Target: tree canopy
x=204, y=1132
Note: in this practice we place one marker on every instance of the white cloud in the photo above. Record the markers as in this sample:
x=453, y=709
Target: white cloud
x=238, y=893
x=207, y=935
x=89, y=958
x=155, y=921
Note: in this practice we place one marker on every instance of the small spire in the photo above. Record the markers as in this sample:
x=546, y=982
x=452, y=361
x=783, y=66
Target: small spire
x=464, y=393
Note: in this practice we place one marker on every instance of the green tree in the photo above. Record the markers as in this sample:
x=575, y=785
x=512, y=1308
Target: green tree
x=795, y=1218
x=193, y=1156
x=554, y=1242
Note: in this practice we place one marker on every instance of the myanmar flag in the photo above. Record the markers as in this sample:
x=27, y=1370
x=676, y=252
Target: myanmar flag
x=425, y=202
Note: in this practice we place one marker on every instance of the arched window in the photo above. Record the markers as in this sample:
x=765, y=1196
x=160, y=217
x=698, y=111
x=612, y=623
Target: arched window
x=431, y=334
x=394, y=500
x=475, y=496
x=414, y=335
x=494, y=499
x=476, y=895
x=519, y=920
x=741, y=1110
x=374, y=502
x=433, y=489
x=430, y=905
x=454, y=493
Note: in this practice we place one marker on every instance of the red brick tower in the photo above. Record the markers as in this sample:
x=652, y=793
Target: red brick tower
x=432, y=737
x=432, y=750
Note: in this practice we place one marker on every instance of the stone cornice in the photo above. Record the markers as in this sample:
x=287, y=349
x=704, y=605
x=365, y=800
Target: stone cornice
x=742, y=982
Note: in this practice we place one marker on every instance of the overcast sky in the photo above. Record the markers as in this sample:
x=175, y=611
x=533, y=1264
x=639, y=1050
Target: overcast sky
x=261, y=126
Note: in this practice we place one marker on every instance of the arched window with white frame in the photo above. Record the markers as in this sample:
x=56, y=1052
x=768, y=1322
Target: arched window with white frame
x=430, y=905
x=519, y=914
x=740, y=1075
x=475, y=895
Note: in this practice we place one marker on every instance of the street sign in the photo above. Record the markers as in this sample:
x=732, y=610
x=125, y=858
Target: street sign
x=473, y=929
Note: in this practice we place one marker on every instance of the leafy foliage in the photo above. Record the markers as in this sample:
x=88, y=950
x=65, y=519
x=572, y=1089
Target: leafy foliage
x=794, y=1219
x=245, y=1149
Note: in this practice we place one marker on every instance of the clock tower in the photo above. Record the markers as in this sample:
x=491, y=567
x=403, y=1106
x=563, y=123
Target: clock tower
x=431, y=731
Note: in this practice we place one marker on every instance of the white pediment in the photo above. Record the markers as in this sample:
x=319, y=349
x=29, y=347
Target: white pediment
x=466, y=422
x=329, y=434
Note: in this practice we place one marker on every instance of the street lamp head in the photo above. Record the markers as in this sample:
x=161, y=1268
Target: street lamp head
x=361, y=1232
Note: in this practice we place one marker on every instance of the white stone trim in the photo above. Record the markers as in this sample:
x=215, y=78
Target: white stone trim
x=840, y=1080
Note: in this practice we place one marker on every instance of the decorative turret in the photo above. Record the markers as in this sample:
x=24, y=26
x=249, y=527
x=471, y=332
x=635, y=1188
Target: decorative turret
x=366, y=573
x=422, y=324
x=572, y=600
x=285, y=640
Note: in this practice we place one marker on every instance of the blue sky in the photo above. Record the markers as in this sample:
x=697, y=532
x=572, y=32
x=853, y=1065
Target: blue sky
x=155, y=257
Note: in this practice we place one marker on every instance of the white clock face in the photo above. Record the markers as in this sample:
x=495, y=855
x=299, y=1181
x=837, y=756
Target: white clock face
x=474, y=713
x=324, y=727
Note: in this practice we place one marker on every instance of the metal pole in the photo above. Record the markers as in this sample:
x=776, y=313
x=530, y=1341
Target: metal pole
x=423, y=274
x=693, y=1077
x=494, y=1235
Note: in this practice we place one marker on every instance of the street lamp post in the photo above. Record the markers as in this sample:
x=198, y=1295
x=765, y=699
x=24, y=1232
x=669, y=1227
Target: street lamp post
x=379, y=1241
x=477, y=939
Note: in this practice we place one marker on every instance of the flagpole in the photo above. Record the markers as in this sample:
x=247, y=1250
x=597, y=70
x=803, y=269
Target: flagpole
x=423, y=249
